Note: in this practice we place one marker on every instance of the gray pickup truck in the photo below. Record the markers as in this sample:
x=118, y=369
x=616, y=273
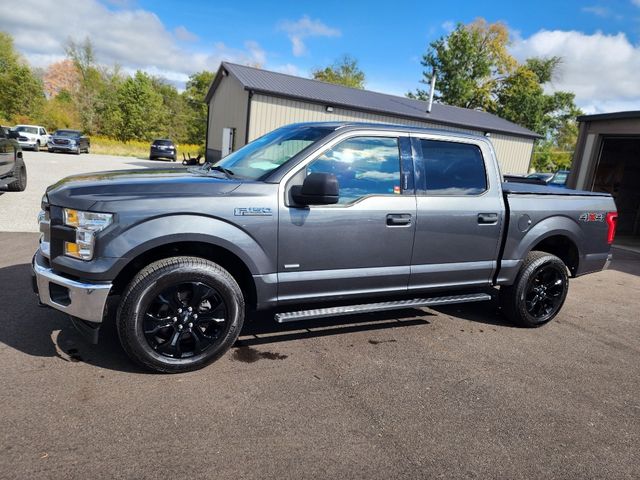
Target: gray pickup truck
x=308, y=221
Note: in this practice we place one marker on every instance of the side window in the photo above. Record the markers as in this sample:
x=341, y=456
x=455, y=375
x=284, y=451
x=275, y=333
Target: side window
x=453, y=168
x=42, y=132
x=363, y=166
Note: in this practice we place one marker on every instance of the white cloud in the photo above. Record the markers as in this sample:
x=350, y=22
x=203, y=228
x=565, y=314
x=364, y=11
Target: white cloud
x=185, y=35
x=448, y=26
x=602, y=70
x=131, y=37
x=636, y=2
x=303, y=28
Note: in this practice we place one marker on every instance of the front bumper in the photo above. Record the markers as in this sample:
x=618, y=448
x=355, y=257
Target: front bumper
x=29, y=144
x=86, y=301
x=63, y=148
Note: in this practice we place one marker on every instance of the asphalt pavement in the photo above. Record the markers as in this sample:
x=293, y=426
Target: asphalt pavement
x=453, y=392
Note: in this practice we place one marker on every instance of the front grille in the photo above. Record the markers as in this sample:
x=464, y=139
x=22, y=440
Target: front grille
x=60, y=141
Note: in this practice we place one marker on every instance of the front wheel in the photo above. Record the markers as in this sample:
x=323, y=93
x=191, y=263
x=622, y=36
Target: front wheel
x=180, y=314
x=539, y=291
x=20, y=185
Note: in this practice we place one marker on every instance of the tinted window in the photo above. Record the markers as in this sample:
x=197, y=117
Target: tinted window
x=363, y=166
x=165, y=143
x=453, y=168
x=67, y=133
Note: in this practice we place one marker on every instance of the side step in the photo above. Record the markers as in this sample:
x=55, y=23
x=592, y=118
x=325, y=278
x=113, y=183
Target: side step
x=379, y=307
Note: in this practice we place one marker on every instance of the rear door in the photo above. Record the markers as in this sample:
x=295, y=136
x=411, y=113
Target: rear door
x=460, y=213
x=362, y=245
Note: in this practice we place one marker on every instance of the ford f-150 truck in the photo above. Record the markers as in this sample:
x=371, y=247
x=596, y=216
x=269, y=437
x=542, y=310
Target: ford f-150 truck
x=310, y=220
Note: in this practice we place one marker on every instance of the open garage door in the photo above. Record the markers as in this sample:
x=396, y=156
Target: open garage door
x=618, y=173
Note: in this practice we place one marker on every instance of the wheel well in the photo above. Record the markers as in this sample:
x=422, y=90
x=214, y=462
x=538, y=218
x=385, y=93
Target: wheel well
x=563, y=248
x=227, y=260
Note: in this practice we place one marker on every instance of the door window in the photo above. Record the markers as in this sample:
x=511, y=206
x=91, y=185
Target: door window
x=363, y=166
x=453, y=168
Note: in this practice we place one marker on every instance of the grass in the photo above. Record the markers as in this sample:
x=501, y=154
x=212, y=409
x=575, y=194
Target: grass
x=134, y=148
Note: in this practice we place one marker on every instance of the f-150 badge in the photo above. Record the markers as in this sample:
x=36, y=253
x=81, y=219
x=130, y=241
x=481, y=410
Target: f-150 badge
x=592, y=217
x=253, y=212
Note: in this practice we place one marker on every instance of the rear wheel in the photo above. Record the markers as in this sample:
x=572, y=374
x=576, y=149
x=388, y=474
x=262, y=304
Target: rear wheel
x=20, y=184
x=180, y=314
x=539, y=291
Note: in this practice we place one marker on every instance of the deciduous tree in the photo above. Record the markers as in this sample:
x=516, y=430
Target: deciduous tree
x=344, y=71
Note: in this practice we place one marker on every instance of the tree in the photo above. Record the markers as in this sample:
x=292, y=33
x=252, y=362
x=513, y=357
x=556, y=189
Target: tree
x=21, y=93
x=91, y=81
x=196, y=117
x=60, y=76
x=141, y=108
x=467, y=64
x=474, y=69
x=344, y=71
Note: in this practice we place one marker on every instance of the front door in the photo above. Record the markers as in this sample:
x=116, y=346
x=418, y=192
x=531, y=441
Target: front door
x=362, y=245
x=460, y=215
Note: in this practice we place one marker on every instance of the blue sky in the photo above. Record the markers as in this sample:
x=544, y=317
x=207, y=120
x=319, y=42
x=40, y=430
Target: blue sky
x=598, y=40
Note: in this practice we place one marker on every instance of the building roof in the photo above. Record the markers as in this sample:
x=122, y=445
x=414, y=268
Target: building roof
x=635, y=114
x=305, y=89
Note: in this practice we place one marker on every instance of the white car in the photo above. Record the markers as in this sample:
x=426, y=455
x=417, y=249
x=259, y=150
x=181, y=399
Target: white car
x=32, y=136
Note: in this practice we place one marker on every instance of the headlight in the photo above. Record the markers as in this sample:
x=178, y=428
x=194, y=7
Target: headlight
x=87, y=225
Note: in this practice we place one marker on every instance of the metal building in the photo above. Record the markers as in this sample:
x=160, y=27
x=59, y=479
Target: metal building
x=607, y=159
x=246, y=102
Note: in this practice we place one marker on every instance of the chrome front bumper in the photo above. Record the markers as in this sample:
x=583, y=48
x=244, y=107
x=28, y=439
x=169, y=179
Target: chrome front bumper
x=86, y=301
x=62, y=147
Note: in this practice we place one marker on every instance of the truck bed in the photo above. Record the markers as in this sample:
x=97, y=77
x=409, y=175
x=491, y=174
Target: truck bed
x=532, y=189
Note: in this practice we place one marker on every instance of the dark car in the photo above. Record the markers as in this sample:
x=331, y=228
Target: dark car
x=543, y=177
x=13, y=172
x=68, y=141
x=163, y=148
x=559, y=179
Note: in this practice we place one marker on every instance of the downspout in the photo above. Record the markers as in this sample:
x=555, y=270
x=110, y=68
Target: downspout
x=206, y=138
x=246, y=128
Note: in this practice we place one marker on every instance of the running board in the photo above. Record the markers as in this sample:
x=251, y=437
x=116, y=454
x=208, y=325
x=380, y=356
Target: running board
x=379, y=307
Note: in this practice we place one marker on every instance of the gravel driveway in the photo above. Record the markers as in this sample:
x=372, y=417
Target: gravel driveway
x=19, y=210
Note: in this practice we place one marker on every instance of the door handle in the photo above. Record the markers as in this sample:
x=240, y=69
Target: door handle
x=398, y=219
x=487, y=218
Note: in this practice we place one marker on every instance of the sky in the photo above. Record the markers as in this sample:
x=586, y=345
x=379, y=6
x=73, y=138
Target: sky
x=599, y=40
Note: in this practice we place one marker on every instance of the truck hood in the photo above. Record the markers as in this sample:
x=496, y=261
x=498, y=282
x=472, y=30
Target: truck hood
x=83, y=191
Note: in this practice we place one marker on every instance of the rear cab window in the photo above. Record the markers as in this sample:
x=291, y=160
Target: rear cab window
x=452, y=168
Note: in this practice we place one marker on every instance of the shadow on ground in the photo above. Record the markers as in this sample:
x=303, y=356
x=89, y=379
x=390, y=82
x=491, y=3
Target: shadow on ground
x=45, y=332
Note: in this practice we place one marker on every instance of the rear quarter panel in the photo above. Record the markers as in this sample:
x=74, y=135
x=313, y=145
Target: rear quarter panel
x=534, y=218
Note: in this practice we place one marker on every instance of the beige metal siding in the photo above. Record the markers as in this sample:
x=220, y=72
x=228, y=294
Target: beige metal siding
x=268, y=113
x=228, y=108
x=514, y=153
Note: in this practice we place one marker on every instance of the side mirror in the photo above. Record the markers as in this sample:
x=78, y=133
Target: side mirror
x=317, y=189
x=13, y=134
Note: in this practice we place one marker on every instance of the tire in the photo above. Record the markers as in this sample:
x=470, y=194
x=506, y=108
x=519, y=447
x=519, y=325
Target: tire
x=151, y=157
x=37, y=147
x=173, y=159
x=539, y=291
x=168, y=323
x=20, y=184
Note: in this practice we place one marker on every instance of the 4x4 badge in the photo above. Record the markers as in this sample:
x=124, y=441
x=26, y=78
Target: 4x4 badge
x=592, y=217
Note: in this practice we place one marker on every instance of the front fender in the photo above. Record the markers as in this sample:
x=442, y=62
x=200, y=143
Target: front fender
x=118, y=248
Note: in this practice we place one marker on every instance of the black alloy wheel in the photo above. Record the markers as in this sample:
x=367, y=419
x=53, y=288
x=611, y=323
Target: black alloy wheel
x=545, y=292
x=538, y=292
x=179, y=314
x=185, y=320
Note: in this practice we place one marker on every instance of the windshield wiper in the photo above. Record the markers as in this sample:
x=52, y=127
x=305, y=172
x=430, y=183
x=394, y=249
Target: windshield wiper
x=210, y=166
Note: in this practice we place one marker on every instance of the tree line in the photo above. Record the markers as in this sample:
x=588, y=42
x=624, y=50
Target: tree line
x=78, y=92
x=472, y=66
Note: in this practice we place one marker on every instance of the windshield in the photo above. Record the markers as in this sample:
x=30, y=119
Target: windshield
x=265, y=154
x=560, y=178
x=67, y=133
x=165, y=143
x=33, y=130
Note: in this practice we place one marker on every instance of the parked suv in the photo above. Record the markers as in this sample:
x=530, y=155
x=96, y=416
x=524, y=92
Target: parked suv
x=13, y=172
x=32, y=136
x=163, y=148
x=69, y=141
